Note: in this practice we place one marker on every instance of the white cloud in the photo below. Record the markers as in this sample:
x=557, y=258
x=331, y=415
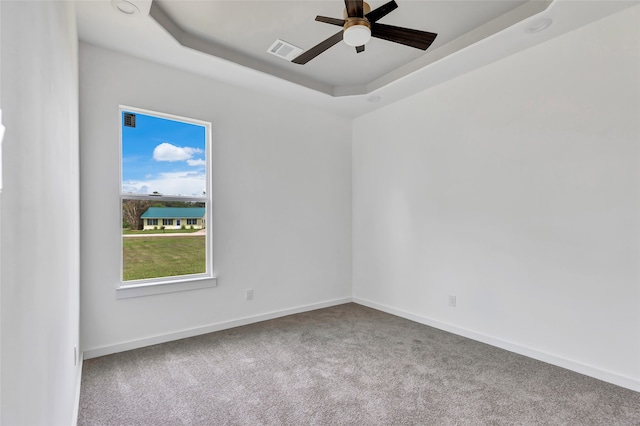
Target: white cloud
x=196, y=162
x=185, y=174
x=168, y=152
x=173, y=183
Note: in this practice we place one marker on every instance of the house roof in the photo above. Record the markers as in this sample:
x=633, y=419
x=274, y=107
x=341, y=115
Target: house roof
x=174, y=213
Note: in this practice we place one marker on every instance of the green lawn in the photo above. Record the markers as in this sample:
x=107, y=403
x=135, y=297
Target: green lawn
x=154, y=257
x=128, y=231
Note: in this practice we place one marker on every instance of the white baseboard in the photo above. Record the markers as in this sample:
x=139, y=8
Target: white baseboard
x=76, y=408
x=588, y=370
x=154, y=340
x=598, y=373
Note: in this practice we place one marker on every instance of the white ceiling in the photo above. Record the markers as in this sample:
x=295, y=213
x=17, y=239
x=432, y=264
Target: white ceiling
x=228, y=41
x=249, y=28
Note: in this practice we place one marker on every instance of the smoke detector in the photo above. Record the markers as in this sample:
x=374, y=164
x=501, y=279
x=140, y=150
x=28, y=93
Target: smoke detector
x=132, y=7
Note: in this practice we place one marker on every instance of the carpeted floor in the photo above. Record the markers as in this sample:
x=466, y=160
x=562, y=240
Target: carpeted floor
x=345, y=365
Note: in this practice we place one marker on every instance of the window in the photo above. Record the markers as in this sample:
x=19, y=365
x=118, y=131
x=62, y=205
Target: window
x=165, y=164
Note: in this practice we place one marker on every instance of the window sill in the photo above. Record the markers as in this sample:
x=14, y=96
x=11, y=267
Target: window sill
x=161, y=287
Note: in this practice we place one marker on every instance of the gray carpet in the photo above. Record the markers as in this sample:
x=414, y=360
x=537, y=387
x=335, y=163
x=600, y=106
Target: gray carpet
x=345, y=365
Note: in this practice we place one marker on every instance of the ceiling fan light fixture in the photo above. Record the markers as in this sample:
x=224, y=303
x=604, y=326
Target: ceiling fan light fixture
x=357, y=32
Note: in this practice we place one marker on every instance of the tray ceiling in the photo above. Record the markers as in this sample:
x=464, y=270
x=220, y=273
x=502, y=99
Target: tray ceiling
x=228, y=41
x=245, y=31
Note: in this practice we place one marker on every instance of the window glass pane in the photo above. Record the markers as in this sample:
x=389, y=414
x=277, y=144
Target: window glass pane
x=162, y=156
x=153, y=250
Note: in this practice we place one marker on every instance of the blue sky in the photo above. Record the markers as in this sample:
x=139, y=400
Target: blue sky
x=163, y=155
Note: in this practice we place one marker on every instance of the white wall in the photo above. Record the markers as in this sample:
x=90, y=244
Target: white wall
x=281, y=195
x=515, y=188
x=40, y=213
x=1, y=138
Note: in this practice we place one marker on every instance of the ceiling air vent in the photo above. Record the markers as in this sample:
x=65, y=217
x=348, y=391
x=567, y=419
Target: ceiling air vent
x=284, y=50
x=129, y=120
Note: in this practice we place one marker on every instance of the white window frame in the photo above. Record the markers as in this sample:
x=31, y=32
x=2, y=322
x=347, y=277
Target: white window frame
x=151, y=286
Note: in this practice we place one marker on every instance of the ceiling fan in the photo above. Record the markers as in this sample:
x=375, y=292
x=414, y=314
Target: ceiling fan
x=360, y=23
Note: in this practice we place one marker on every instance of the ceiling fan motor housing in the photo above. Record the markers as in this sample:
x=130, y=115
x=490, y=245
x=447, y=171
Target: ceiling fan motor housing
x=365, y=9
x=357, y=30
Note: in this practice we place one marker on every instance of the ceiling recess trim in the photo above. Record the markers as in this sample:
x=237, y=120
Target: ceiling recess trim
x=195, y=42
x=501, y=23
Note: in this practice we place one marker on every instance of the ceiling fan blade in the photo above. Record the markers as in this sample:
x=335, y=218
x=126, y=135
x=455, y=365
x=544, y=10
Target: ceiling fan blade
x=333, y=21
x=360, y=49
x=355, y=8
x=414, y=38
x=381, y=12
x=318, y=49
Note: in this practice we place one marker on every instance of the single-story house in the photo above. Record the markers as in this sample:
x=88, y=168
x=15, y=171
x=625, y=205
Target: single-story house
x=174, y=217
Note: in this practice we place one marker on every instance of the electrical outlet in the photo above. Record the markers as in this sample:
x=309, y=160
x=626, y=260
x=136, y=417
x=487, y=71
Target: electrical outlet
x=250, y=294
x=452, y=300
